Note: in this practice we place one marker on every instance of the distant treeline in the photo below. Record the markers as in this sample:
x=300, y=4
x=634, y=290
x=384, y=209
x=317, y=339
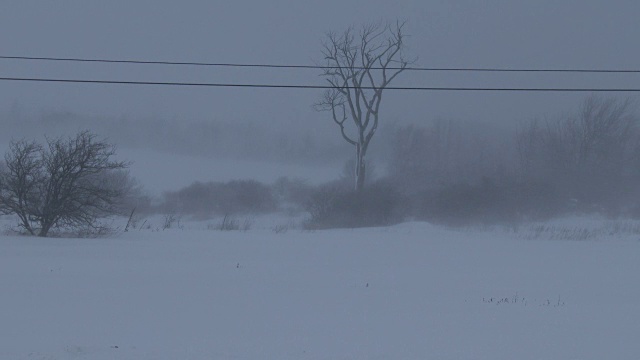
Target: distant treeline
x=588, y=161
x=444, y=171
x=449, y=172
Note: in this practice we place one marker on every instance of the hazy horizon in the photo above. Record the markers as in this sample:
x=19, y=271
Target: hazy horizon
x=504, y=34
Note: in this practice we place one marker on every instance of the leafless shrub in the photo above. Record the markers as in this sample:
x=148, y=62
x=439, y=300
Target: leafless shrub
x=247, y=224
x=291, y=194
x=228, y=224
x=334, y=206
x=170, y=221
x=281, y=228
x=204, y=200
x=68, y=184
x=598, y=231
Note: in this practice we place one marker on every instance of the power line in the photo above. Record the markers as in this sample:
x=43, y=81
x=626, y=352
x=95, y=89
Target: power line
x=319, y=67
x=279, y=86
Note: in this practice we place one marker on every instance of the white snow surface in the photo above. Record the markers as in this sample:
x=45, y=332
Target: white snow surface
x=412, y=291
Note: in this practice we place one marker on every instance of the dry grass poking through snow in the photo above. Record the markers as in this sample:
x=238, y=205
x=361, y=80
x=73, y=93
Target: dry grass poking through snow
x=569, y=229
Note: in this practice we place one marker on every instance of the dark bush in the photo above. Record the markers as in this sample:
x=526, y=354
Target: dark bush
x=336, y=206
x=215, y=198
x=490, y=202
x=292, y=194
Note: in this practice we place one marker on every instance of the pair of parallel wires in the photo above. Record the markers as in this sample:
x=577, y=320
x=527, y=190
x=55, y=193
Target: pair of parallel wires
x=314, y=67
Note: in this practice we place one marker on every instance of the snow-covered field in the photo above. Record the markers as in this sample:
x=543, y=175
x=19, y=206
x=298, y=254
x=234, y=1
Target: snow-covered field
x=412, y=291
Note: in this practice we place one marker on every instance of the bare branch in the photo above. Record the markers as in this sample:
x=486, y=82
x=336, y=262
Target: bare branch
x=352, y=61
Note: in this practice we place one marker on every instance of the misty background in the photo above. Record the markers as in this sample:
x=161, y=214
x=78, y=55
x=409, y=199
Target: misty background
x=244, y=129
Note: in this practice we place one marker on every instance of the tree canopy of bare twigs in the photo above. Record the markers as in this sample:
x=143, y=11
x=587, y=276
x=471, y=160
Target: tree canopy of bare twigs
x=66, y=183
x=359, y=66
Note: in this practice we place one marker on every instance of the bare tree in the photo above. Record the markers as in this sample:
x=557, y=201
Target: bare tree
x=68, y=183
x=591, y=155
x=359, y=68
x=426, y=158
x=20, y=180
x=600, y=134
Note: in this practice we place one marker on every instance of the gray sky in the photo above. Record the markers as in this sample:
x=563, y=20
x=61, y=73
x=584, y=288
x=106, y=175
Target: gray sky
x=479, y=33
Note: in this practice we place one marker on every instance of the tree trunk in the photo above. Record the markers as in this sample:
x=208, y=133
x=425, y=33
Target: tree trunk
x=44, y=231
x=360, y=168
